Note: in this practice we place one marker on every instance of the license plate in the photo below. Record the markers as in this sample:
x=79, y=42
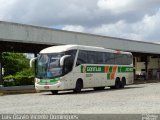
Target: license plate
x=46, y=87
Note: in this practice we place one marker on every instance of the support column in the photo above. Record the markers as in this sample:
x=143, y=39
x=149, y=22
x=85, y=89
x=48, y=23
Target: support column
x=134, y=67
x=35, y=69
x=158, y=72
x=146, y=67
x=1, y=81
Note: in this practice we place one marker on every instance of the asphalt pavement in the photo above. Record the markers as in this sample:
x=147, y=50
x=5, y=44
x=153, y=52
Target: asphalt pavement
x=133, y=99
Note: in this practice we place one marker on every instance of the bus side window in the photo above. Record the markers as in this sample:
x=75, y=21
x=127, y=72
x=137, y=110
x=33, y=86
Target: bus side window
x=129, y=59
x=91, y=57
x=68, y=64
x=119, y=59
x=100, y=57
x=82, y=58
x=109, y=58
x=123, y=59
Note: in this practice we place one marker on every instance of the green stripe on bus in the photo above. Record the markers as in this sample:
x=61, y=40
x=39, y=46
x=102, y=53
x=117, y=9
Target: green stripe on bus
x=126, y=69
x=48, y=81
x=108, y=76
x=110, y=69
x=119, y=69
x=101, y=69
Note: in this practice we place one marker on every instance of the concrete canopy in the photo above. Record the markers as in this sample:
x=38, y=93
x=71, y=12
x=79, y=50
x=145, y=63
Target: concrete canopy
x=34, y=38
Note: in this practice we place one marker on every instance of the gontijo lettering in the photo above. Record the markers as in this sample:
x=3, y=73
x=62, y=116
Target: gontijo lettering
x=94, y=69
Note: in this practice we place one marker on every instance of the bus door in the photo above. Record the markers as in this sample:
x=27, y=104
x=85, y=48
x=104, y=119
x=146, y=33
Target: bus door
x=89, y=79
x=98, y=80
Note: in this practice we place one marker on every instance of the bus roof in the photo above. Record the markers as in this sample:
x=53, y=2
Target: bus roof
x=63, y=48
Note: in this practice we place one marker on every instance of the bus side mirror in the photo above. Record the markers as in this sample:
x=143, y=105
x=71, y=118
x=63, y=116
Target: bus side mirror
x=63, y=58
x=2, y=71
x=31, y=61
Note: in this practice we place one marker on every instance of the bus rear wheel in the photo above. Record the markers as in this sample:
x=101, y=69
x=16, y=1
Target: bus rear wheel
x=79, y=86
x=117, y=84
x=123, y=83
x=54, y=92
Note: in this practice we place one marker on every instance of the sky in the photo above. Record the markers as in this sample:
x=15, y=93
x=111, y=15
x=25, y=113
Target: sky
x=129, y=19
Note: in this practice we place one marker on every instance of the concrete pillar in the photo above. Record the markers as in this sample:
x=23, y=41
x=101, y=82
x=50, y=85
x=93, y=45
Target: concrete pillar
x=158, y=71
x=134, y=67
x=146, y=67
x=1, y=81
x=35, y=63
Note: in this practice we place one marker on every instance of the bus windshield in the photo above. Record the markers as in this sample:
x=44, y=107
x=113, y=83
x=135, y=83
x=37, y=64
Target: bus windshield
x=48, y=65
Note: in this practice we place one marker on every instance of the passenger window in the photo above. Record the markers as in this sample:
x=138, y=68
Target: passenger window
x=91, y=57
x=109, y=58
x=119, y=59
x=82, y=58
x=100, y=57
x=68, y=64
x=130, y=59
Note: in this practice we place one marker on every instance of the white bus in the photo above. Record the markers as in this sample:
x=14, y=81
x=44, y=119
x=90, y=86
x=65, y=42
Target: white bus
x=74, y=67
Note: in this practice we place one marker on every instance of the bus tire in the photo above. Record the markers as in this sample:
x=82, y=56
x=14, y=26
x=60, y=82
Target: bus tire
x=123, y=82
x=79, y=86
x=112, y=87
x=54, y=92
x=117, y=83
x=98, y=88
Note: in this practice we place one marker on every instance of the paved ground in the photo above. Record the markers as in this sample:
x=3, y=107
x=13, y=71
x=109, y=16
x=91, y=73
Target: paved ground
x=143, y=98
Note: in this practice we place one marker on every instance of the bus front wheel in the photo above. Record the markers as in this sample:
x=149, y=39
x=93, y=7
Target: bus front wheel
x=54, y=92
x=79, y=86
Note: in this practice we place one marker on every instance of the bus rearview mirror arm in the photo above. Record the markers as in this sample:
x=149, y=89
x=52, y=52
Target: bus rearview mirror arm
x=31, y=61
x=63, y=58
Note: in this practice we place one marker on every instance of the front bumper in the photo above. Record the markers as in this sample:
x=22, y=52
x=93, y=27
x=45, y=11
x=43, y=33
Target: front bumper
x=58, y=86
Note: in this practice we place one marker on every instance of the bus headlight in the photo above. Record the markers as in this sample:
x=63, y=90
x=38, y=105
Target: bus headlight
x=37, y=80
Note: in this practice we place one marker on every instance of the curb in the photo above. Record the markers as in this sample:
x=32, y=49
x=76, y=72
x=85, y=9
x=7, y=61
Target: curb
x=146, y=82
x=19, y=92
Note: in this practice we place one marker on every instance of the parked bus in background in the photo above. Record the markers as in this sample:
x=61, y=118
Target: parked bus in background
x=74, y=67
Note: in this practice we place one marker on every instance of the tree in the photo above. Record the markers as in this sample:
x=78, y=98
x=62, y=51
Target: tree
x=14, y=63
x=17, y=71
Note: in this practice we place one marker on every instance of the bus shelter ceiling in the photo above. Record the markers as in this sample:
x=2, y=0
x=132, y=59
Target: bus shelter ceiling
x=6, y=46
x=138, y=54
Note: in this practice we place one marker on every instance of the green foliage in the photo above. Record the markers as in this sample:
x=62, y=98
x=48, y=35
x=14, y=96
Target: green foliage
x=26, y=72
x=14, y=62
x=17, y=71
x=18, y=80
